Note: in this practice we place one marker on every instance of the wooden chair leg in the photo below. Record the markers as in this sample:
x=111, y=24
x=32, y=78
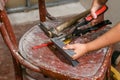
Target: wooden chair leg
x=49, y=16
x=42, y=10
x=108, y=71
x=17, y=70
x=108, y=74
x=17, y=66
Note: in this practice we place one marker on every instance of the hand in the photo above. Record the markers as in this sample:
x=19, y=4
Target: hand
x=97, y=20
x=79, y=49
x=94, y=8
x=2, y=4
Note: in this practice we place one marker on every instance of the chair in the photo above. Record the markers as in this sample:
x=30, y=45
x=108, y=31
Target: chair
x=10, y=40
x=34, y=60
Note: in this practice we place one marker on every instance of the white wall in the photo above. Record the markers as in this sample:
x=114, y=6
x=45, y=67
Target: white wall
x=60, y=10
x=112, y=14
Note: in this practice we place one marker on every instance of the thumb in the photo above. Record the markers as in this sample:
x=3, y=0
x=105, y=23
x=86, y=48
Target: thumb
x=94, y=15
x=68, y=46
x=75, y=56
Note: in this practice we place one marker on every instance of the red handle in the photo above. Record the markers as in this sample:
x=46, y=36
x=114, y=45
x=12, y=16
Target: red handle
x=98, y=12
x=42, y=45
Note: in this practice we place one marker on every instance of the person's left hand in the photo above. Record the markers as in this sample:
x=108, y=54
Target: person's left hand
x=97, y=20
x=79, y=49
x=95, y=6
x=2, y=4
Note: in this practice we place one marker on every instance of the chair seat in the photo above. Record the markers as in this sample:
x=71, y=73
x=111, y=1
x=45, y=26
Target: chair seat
x=93, y=65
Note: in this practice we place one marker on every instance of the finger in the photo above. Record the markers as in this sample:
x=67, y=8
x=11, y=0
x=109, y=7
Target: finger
x=93, y=22
x=94, y=15
x=0, y=24
x=5, y=0
x=76, y=56
x=68, y=46
x=2, y=5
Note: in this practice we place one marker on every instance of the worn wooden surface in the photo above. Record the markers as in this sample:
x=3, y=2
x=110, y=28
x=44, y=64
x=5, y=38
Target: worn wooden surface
x=52, y=63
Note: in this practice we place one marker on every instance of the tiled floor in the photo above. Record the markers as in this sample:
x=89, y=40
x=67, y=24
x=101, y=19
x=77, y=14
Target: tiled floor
x=6, y=66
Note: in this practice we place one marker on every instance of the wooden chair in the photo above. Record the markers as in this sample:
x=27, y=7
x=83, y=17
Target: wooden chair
x=10, y=40
x=50, y=65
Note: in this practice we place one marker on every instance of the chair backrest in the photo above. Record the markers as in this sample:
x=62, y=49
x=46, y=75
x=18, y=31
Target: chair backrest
x=9, y=36
x=6, y=29
x=11, y=42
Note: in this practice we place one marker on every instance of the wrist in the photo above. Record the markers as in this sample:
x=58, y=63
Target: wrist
x=87, y=48
x=102, y=2
x=90, y=47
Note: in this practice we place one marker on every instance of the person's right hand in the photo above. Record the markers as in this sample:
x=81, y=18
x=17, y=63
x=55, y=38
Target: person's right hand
x=78, y=48
x=2, y=4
